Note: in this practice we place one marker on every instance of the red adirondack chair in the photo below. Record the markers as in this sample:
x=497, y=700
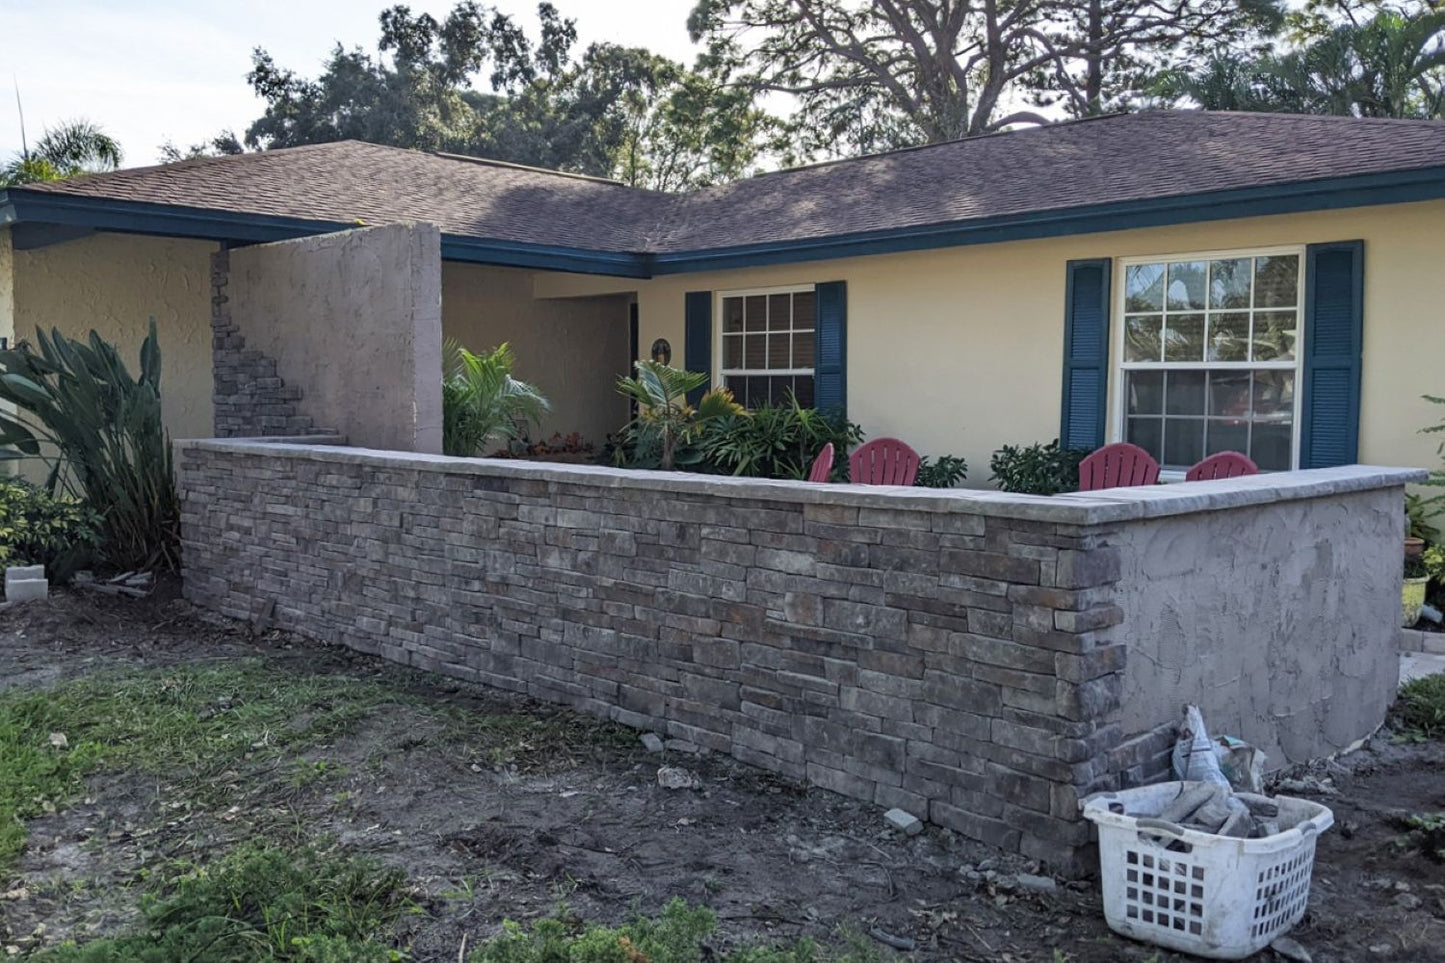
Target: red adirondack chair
x=883, y=461
x=1224, y=464
x=822, y=465
x=1119, y=465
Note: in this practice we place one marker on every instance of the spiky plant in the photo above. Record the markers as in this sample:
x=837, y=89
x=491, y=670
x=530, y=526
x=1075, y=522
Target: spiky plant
x=665, y=418
x=77, y=409
x=482, y=404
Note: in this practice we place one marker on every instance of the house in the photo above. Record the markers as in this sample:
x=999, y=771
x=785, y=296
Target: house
x=1188, y=281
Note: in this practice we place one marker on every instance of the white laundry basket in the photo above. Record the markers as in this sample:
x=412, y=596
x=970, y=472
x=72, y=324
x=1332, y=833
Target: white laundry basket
x=1213, y=896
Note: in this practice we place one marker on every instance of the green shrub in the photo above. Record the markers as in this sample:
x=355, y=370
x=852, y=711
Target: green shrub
x=482, y=404
x=668, y=430
x=37, y=528
x=946, y=472
x=1036, y=469
x=777, y=441
x=259, y=903
x=99, y=431
x=1422, y=705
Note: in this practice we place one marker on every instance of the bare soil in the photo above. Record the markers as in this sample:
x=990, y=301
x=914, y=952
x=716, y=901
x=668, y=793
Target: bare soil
x=590, y=826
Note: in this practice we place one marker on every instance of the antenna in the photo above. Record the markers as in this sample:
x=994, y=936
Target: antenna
x=20, y=108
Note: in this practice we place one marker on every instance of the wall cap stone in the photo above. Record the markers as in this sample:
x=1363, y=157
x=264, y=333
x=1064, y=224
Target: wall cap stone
x=1079, y=508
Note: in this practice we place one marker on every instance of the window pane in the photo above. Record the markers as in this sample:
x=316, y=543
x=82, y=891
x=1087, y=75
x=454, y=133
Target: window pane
x=779, y=351
x=1274, y=335
x=1184, y=393
x=1142, y=338
x=1145, y=393
x=1229, y=394
x=804, y=351
x=755, y=354
x=733, y=349
x=1276, y=281
x=1229, y=336
x=1183, y=441
x=1226, y=435
x=1186, y=286
x=780, y=312
x=1148, y=434
x=1229, y=283
x=732, y=314
x=755, y=318
x=1274, y=395
x=1271, y=448
x=803, y=387
x=1144, y=288
x=1184, y=337
x=803, y=311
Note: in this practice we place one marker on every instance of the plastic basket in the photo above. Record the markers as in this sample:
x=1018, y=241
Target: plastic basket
x=1210, y=895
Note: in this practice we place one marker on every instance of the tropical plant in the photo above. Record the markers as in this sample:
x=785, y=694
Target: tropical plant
x=74, y=147
x=1433, y=505
x=667, y=428
x=38, y=528
x=74, y=406
x=1036, y=469
x=1417, y=516
x=944, y=472
x=482, y=404
x=777, y=441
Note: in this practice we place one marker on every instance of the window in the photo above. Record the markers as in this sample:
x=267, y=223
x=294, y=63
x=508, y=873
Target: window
x=767, y=345
x=1209, y=357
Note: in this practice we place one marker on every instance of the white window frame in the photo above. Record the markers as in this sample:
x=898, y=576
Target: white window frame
x=1119, y=366
x=721, y=373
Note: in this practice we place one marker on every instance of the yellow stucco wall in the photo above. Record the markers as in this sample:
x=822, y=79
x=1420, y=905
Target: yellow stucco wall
x=572, y=349
x=114, y=284
x=961, y=350
x=7, y=285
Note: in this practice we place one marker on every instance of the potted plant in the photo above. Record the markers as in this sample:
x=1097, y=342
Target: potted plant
x=1419, y=531
x=1412, y=594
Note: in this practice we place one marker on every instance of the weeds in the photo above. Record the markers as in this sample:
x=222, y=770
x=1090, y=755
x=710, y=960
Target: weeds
x=1425, y=832
x=260, y=903
x=1422, y=706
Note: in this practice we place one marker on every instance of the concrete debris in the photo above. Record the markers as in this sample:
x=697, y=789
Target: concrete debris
x=682, y=745
x=904, y=821
x=26, y=583
x=1035, y=884
x=134, y=584
x=676, y=777
x=1408, y=901
x=1288, y=949
x=652, y=742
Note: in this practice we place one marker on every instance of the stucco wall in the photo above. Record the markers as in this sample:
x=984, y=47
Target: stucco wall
x=353, y=319
x=7, y=285
x=572, y=349
x=960, y=350
x=115, y=284
x=1267, y=617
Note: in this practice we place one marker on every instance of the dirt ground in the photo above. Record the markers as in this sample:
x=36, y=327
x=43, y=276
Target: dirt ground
x=591, y=827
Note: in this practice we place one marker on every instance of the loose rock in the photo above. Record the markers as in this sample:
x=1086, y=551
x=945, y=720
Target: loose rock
x=1036, y=884
x=676, y=777
x=904, y=821
x=652, y=742
x=1288, y=949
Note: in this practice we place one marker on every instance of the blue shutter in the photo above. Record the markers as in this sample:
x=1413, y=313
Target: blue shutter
x=1333, y=339
x=697, y=339
x=830, y=345
x=1086, y=354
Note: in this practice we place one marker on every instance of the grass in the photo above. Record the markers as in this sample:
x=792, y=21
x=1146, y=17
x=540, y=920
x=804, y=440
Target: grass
x=1422, y=706
x=262, y=903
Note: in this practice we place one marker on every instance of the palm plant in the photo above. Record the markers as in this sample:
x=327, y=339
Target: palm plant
x=75, y=147
x=482, y=404
x=75, y=406
x=665, y=419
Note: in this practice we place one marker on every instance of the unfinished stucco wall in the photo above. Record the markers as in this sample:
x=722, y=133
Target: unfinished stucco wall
x=1267, y=617
x=573, y=349
x=115, y=284
x=7, y=285
x=352, y=320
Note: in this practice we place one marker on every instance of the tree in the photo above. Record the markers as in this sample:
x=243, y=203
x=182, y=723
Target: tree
x=223, y=144
x=1388, y=63
x=68, y=150
x=889, y=73
x=612, y=111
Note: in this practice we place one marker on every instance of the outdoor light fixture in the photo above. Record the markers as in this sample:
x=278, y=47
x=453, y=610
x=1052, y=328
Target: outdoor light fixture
x=662, y=351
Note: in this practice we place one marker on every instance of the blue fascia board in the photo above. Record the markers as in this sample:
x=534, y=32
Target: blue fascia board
x=543, y=257
x=1331, y=194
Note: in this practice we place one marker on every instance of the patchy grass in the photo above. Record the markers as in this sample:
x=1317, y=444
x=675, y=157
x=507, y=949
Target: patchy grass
x=678, y=935
x=261, y=903
x=1422, y=706
x=1425, y=832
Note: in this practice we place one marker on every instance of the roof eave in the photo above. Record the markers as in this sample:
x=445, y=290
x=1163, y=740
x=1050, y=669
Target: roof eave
x=1363, y=190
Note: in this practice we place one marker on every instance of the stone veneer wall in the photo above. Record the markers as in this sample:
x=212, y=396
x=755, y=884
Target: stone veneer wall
x=961, y=655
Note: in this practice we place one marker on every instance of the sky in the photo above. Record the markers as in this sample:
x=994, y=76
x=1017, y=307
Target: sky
x=150, y=71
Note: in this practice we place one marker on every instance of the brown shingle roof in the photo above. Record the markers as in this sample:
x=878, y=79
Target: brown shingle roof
x=1131, y=157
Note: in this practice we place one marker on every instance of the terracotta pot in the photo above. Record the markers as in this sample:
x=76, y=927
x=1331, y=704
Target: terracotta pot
x=1414, y=546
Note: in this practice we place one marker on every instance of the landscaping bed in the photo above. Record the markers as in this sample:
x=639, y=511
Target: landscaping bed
x=168, y=759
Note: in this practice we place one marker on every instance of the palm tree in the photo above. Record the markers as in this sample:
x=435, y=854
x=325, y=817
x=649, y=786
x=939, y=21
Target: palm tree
x=482, y=404
x=73, y=148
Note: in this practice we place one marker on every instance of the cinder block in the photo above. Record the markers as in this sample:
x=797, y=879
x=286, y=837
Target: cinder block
x=26, y=590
